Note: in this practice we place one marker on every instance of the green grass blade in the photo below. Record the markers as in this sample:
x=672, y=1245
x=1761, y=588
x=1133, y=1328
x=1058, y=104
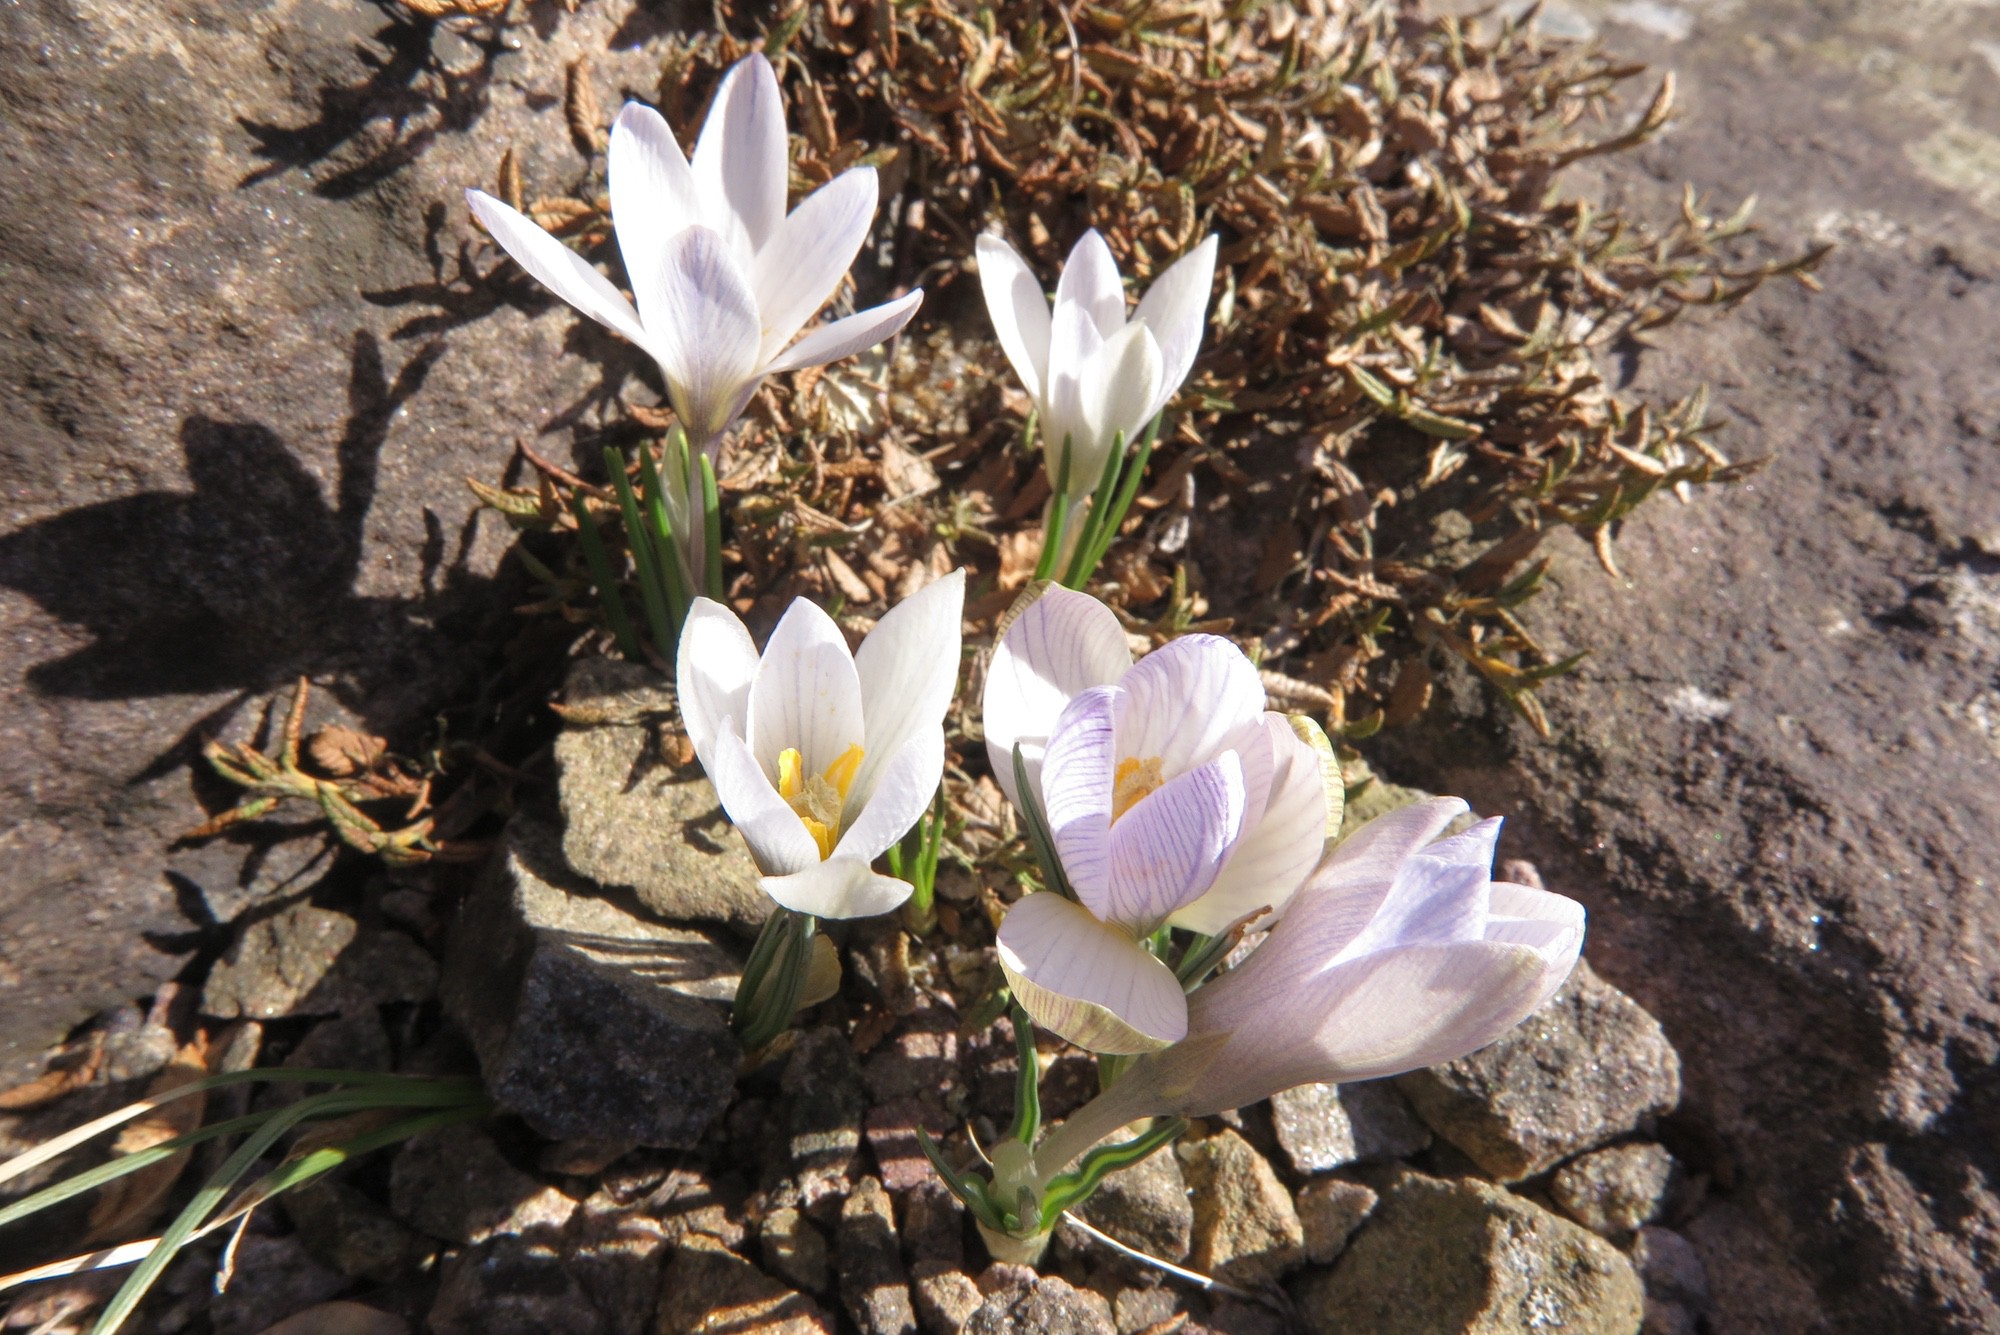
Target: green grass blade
x=711, y=527
x=652, y=591
x=599, y=562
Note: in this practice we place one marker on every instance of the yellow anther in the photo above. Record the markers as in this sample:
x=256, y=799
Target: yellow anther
x=1132, y=780
x=842, y=771
x=791, y=773
x=818, y=798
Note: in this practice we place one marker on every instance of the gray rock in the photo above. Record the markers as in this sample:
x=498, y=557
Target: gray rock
x=1330, y=1210
x=511, y=1285
x=794, y=1250
x=1676, y=1281
x=1045, y=1305
x=823, y=1110
x=1246, y=1229
x=1465, y=1257
x=1613, y=1191
x=631, y=820
x=1145, y=1206
x=275, y=960
x=588, y=1020
x=456, y=1185
x=946, y=1297
x=933, y=1224
x=1137, y=1309
x=873, y=1287
x=340, y=1319
x=616, y=1251
x=224, y=467
x=274, y=1278
x=343, y=1227
x=1589, y=1066
x=1324, y=1127
x=709, y=1290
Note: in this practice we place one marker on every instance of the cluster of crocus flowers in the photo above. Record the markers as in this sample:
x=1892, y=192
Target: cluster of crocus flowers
x=724, y=279
x=1173, y=798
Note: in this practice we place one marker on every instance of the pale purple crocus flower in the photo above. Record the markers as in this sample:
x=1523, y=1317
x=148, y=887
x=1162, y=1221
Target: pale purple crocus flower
x=1173, y=797
x=1092, y=373
x=821, y=757
x=724, y=278
x=1399, y=953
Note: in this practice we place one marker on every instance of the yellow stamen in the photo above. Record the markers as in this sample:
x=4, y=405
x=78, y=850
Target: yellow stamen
x=1132, y=780
x=818, y=798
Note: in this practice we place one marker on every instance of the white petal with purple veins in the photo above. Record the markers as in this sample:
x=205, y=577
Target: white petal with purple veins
x=1062, y=644
x=1090, y=983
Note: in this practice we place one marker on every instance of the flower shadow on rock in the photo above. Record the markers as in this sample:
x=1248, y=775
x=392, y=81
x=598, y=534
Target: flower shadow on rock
x=247, y=580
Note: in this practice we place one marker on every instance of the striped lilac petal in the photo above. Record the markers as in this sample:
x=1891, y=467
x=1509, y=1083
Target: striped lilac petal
x=1175, y=308
x=1283, y=838
x=1019, y=310
x=1546, y=922
x=856, y=333
x=801, y=269
x=713, y=669
x=652, y=195
x=807, y=695
x=840, y=887
x=908, y=668
x=1090, y=283
x=903, y=792
x=1060, y=645
x=741, y=163
x=557, y=267
x=703, y=324
x=1374, y=1016
x=1166, y=851
x=1431, y=902
x=1088, y=982
x=778, y=839
x=1181, y=702
x=1348, y=886
x=1120, y=386
x=1076, y=791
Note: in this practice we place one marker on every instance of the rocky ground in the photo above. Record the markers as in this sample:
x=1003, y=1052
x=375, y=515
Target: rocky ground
x=244, y=390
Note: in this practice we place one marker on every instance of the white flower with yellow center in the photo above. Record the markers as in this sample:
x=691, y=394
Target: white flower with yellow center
x=1173, y=796
x=823, y=758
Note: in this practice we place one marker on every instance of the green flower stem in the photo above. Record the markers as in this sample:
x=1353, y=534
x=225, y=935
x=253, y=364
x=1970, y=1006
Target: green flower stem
x=652, y=582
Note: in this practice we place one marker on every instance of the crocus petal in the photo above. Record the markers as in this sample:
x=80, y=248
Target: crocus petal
x=1552, y=924
x=777, y=837
x=557, y=267
x=1073, y=345
x=908, y=667
x=904, y=789
x=1166, y=851
x=806, y=695
x=1061, y=644
x=1378, y=1015
x=1175, y=308
x=1350, y=883
x=740, y=161
x=1432, y=902
x=1181, y=702
x=813, y=250
x=1088, y=982
x=713, y=670
x=1090, y=283
x=1281, y=843
x=1076, y=791
x=1120, y=386
x=844, y=338
x=652, y=193
x=840, y=887
x=1019, y=310
x=704, y=328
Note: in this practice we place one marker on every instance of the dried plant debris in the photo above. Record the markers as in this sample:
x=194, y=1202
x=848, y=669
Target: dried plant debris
x=1397, y=401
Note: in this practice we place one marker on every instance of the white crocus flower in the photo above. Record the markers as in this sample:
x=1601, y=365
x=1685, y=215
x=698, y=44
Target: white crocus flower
x=823, y=758
x=1090, y=371
x=1400, y=952
x=1173, y=797
x=725, y=278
